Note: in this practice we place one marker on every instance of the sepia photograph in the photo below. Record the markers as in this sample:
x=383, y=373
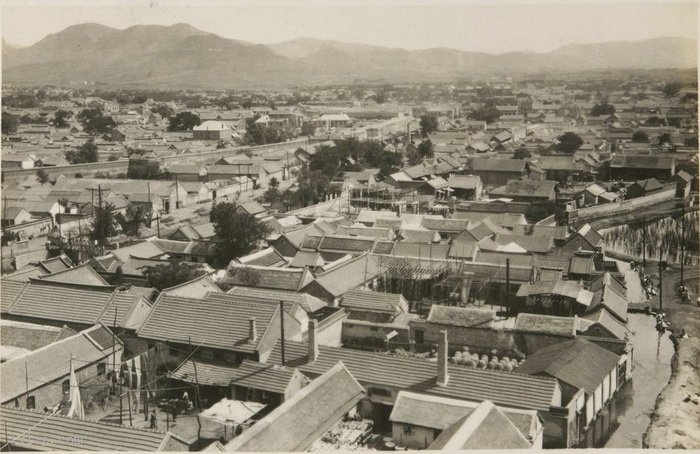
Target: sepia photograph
x=349, y=225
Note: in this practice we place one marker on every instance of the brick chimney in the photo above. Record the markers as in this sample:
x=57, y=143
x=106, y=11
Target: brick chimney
x=442, y=375
x=313, y=340
x=252, y=331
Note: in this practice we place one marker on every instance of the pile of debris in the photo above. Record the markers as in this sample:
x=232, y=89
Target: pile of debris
x=349, y=434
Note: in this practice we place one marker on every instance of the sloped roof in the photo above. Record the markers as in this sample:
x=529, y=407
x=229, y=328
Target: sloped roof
x=461, y=316
x=265, y=257
x=305, y=417
x=569, y=289
x=368, y=300
x=34, y=430
x=464, y=181
x=82, y=274
x=559, y=232
x=549, y=324
x=307, y=258
x=463, y=249
x=442, y=225
x=648, y=185
x=529, y=188
x=345, y=243
x=642, y=162
x=616, y=303
x=348, y=275
x=579, y=363
x=603, y=317
x=487, y=427
x=530, y=243
x=307, y=302
x=412, y=374
x=210, y=323
x=497, y=165
x=85, y=348
x=269, y=277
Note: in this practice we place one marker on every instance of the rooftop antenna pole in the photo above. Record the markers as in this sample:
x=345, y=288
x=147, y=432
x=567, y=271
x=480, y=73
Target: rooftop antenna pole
x=282, y=329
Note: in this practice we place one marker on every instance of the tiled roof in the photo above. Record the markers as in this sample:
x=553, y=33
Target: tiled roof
x=306, y=301
x=503, y=388
x=642, y=162
x=374, y=232
x=82, y=274
x=436, y=251
x=497, y=165
x=569, y=289
x=583, y=265
x=603, y=317
x=452, y=225
x=487, y=427
x=345, y=243
x=607, y=279
x=56, y=264
x=579, y=363
x=372, y=301
x=559, y=232
x=305, y=417
x=307, y=258
x=463, y=249
x=528, y=188
x=499, y=258
x=210, y=323
x=348, y=275
x=464, y=181
x=9, y=291
x=267, y=377
x=33, y=430
x=207, y=374
x=549, y=324
x=612, y=300
x=461, y=316
x=270, y=277
x=85, y=348
x=530, y=243
x=266, y=257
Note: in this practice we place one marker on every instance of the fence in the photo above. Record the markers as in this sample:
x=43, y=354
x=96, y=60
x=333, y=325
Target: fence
x=624, y=206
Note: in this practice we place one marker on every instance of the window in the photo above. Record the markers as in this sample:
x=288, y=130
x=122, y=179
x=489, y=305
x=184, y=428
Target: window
x=101, y=368
x=66, y=386
x=408, y=430
x=31, y=403
x=419, y=337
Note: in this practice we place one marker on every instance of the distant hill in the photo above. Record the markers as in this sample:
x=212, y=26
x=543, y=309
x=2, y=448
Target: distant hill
x=183, y=56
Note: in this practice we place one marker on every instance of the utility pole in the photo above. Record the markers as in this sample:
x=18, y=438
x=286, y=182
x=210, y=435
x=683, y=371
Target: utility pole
x=282, y=329
x=662, y=267
x=682, y=242
x=508, y=311
x=114, y=352
x=644, y=242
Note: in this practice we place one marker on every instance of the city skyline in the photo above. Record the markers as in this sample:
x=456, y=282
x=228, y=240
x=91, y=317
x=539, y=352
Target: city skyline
x=494, y=28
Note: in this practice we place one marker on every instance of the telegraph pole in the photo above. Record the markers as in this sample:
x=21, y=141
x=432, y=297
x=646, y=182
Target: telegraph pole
x=682, y=242
x=644, y=242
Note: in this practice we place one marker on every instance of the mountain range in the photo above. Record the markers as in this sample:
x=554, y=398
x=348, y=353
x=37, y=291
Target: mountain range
x=181, y=56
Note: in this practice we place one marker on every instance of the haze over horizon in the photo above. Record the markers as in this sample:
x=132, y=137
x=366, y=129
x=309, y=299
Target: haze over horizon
x=494, y=28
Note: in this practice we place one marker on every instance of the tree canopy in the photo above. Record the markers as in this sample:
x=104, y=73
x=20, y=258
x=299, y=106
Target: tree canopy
x=95, y=122
x=184, y=121
x=640, y=137
x=60, y=118
x=522, y=153
x=488, y=113
x=86, y=152
x=237, y=232
x=602, y=109
x=41, y=176
x=259, y=134
x=428, y=124
x=569, y=142
x=172, y=274
x=672, y=88
x=425, y=149
x=10, y=123
x=104, y=223
x=308, y=129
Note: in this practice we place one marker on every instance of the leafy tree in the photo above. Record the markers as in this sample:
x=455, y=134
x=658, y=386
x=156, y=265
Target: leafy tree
x=247, y=104
x=640, y=137
x=380, y=97
x=412, y=155
x=259, y=134
x=655, y=121
x=60, y=118
x=10, y=123
x=425, y=149
x=184, y=121
x=488, y=113
x=273, y=193
x=664, y=138
x=172, y=274
x=104, y=224
x=691, y=141
x=237, y=232
x=569, y=142
x=428, y=124
x=86, y=152
x=95, y=122
x=163, y=110
x=671, y=89
x=308, y=129
x=42, y=177
x=150, y=171
x=602, y=109
x=522, y=153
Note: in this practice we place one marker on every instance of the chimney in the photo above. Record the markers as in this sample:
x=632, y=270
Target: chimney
x=252, y=331
x=313, y=340
x=442, y=376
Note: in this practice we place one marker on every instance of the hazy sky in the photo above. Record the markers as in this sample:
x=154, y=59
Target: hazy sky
x=412, y=24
